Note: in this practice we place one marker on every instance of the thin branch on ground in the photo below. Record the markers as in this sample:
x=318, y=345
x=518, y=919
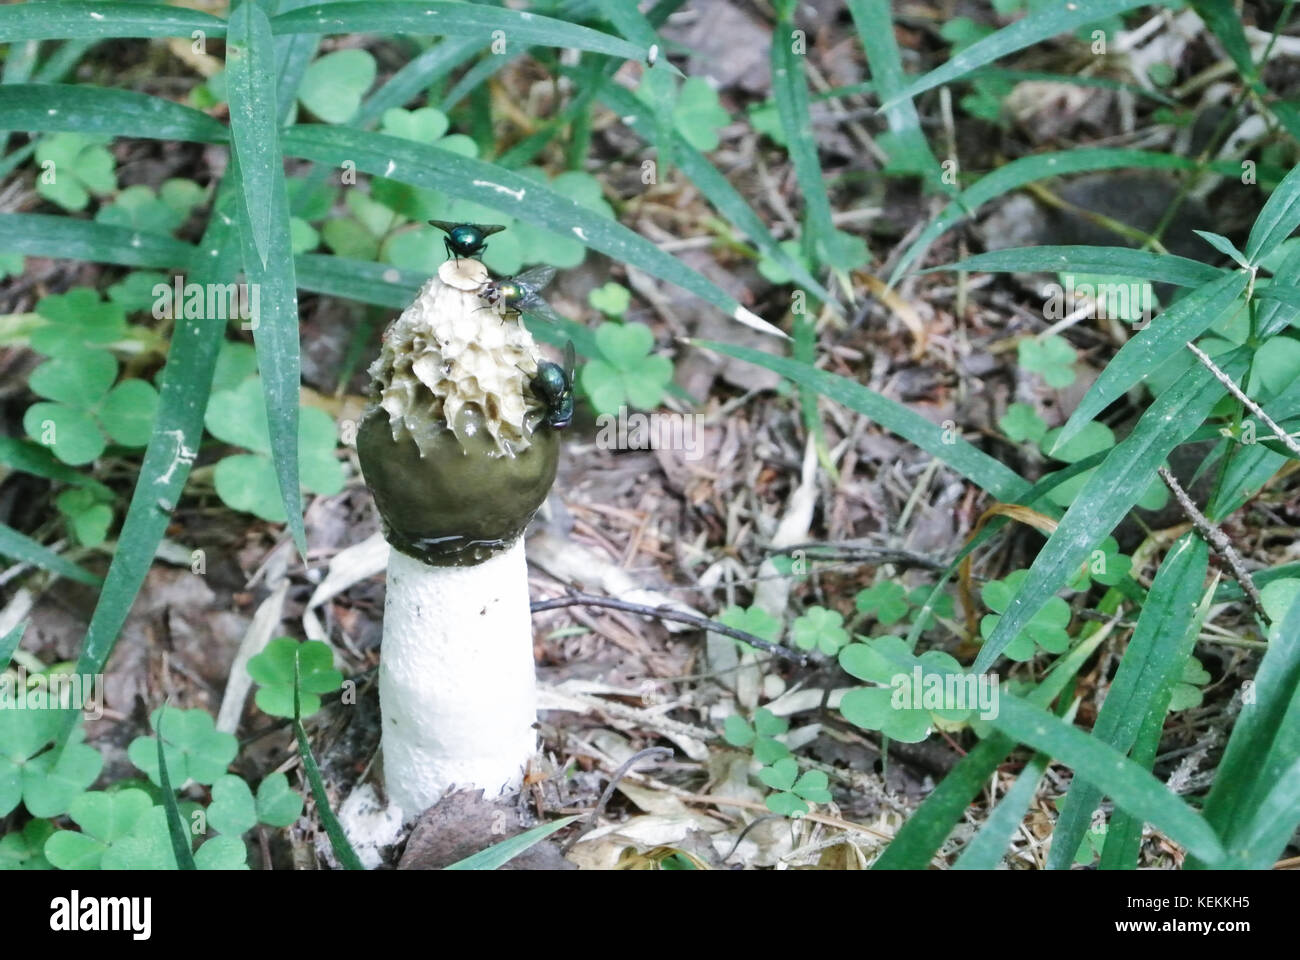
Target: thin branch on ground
x=1286, y=439
x=668, y=613
x=1217, y=539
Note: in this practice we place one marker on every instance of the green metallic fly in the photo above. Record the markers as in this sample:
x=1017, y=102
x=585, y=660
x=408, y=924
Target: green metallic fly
x=465, y=239
x=553, y=385
x=521, y=294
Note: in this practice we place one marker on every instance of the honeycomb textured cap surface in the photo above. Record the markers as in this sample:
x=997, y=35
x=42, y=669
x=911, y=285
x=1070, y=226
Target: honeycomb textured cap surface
x=450, y=354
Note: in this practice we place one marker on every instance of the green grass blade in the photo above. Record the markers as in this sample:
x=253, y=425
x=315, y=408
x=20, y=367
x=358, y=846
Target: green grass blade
x=76, y=20
x=502, y=853
x=180, y=837
x=45, y=235
x=876, y=31
x=1042, y=76
x=423, y=165
x=22, y=548
x=1154, y=346
x=9, y=643
x=710, y=182
x=1026, y=170
x=1278, y=219
x=924, y=832
x=971, y=462
x=275, y=337
x=63, y=60
x=333, y=829
x=1108, y=494
x=1040, y=25
x=1265, y=836
x=1224, y=21
x=1264, y=741
x=985, y=851
x=1149, y=666
x=250, y=82
x=1100, y=261
x=790, y=90
x=103, y=111
x=186, y=381
x=443, y=19
x=1131, y=787
x=417, y=76
x=926, y=829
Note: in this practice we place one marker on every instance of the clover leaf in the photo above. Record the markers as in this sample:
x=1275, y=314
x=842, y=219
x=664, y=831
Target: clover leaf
x=193, y=748
x=625, y=372
x=87, y=513
x=1051, y=357
x=148, y=846
x=1106, y=565
x=104, y=819
x=896, y=708
x=559, y=249
x=135, y=291
x=612, y=299
x=1092, y=438
x=793, y=790
x=273, y=669
x=45, y=782
x=1187, y=692
x=333, y=85
x=1046, y=629
x=753, y=620
x=821, y=629
x=248, y=482
x=72, y=167
x=277, y=804
x=888, y=600
x=139, y=208
x=78, y=319
x=85, y=412
x=25, y=849
x=762, y=735
x=1021, y=423
x=232, y=810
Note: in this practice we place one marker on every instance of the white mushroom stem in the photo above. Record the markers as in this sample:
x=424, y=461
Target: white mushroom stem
x=456, y=678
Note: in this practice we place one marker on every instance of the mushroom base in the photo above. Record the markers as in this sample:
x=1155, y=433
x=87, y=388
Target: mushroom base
x=456, y=678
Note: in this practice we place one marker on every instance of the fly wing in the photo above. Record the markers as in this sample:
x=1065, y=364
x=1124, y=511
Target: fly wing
x=487, y=229
x=535, y=306
x=535, y=279
x=570, y=357
x=446, y=226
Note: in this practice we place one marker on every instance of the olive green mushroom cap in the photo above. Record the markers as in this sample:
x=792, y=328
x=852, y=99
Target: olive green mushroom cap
x=453, y=445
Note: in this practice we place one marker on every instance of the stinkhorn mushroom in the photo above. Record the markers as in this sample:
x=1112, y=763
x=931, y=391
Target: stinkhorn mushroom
x=457, y=452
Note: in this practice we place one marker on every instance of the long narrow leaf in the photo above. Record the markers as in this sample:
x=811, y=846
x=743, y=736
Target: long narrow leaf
x=423, y=165
x=1017, y=173
x=103, y=111
x=20, y=547
x=76, y=19
x=1131, y=787
x=9, y=643
x=1151, y=659
x=502, y=853
x=971, y=462
x=1278, y=220
x=254, y=125
x=1045, y=22
x=44, y=235
x=1154, y=346
x=441, y=19
x=180, y=836
x=1102, y=261
x=1108, y=495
